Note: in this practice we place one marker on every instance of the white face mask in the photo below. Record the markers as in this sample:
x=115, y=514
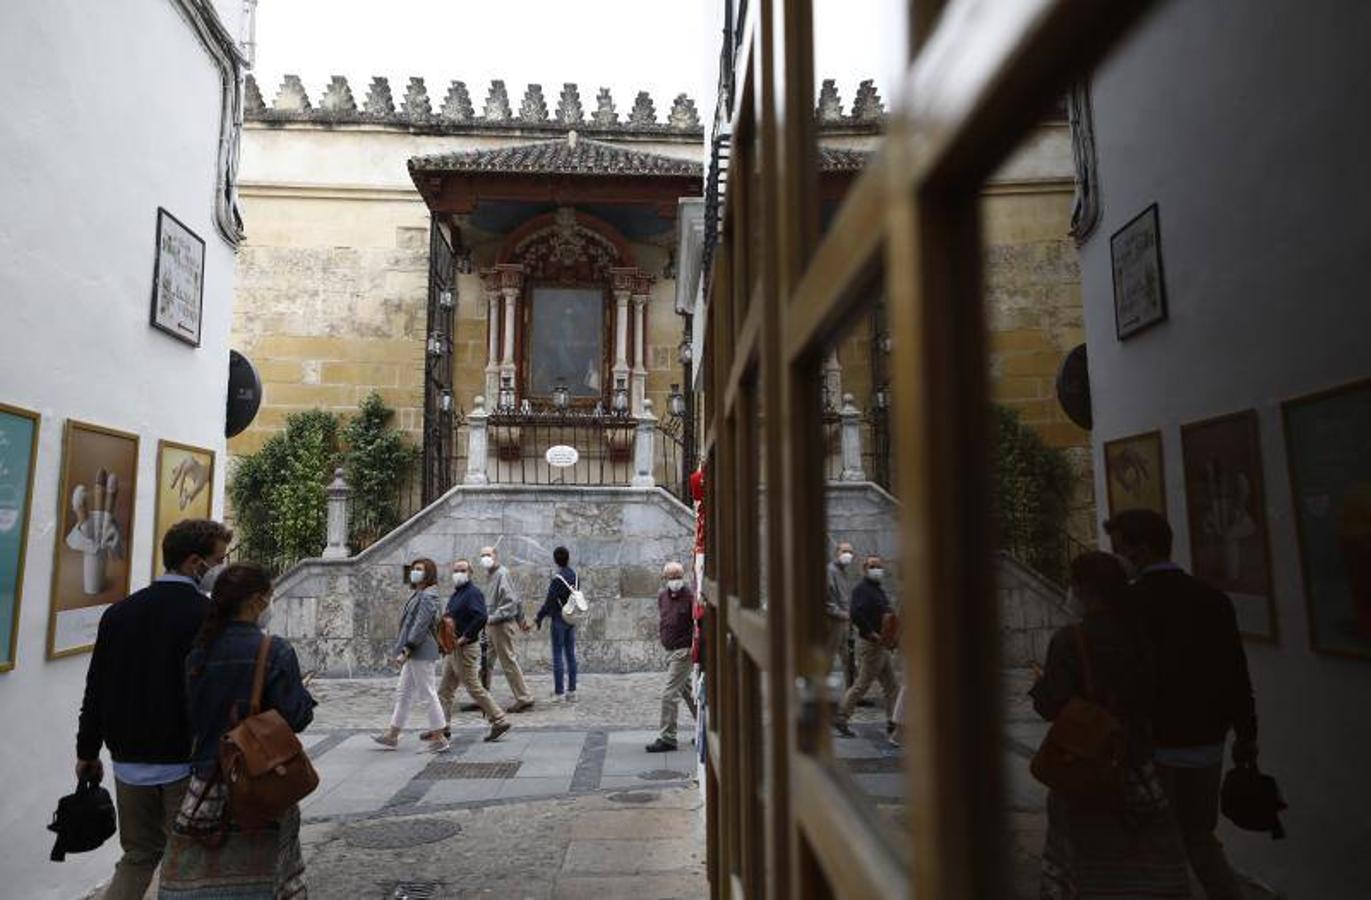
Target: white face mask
x=488, y=562
x=675, y=584
x=844, y=558
x=416, y=576
x=460, y=578
x=875, y=575
x=209, y=577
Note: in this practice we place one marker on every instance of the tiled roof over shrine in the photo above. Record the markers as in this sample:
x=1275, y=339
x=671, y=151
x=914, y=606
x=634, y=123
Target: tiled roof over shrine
x=574, y=156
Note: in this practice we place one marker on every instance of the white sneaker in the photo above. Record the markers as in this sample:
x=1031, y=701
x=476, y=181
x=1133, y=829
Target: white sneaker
x=555, y=698
x=571, y=696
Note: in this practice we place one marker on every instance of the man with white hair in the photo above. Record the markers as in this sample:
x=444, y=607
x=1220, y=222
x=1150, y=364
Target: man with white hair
x=505, y=620
x=675, y=610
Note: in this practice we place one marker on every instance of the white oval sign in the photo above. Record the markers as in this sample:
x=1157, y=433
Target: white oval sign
x=561, y=456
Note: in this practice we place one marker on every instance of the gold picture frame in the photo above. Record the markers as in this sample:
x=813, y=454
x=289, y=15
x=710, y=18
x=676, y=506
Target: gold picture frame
x=185, y=490
x=92, y=566
x=1135, y=473
x=14, y=551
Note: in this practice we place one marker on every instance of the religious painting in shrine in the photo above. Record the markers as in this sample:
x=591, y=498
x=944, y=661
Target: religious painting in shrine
x=566, y=341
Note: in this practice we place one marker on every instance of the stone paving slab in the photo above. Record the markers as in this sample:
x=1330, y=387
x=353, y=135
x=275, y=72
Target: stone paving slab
x=632, y=856
x=684, y=886
x=631, y=823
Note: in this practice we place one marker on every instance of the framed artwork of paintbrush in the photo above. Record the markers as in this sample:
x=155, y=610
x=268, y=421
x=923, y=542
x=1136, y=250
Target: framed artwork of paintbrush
x=185, y=490
x=18, y=458
x=91, y=564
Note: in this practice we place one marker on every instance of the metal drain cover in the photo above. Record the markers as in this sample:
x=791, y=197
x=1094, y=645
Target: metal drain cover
x=396, y=835
x=634, y=797
x=442, y=771
x=416, y=890
x=663, y=775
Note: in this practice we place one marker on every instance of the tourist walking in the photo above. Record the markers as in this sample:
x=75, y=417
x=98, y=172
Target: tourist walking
x=563, y=582
x=220, y=676
x=506, y=620
x=1203, y=688
x=416, y=651
x=870, y=606
x=135, y=699
x=836, y=604
x=676, y=620
x=1128, y=851
x=467, y=610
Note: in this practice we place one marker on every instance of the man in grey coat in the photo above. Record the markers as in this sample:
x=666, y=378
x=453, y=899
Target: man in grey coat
x=836, y=605
x=505, y=621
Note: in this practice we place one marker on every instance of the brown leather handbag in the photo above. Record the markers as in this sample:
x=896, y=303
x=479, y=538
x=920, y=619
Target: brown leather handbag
x=447, y=635
x=262, y=762
x=1082, y=756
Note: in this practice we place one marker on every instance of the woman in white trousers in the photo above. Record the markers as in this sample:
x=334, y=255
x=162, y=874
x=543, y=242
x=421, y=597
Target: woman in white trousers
x=416, y=652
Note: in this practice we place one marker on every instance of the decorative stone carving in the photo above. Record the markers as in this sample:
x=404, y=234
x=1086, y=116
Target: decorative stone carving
x=644, y=113
x=684, y=116
x=457, y=105
x=417, y=107
x=252, y=97
x=379, y=101
x=830, y=107
x=534, y=107
x=569, y=110
x=605, y=114
x=497, y=103
x=566, y=251
x=868, y=107
x=292, y=96
x=338, y=97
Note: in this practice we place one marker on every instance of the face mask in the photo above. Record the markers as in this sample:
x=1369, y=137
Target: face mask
x=488, y=562
x=416, y=576
x=844, y=559
x=875, y=575
x=460, y=578
x=265, y=615
x=209, y=576
x=1130, y=570
x=675, y=584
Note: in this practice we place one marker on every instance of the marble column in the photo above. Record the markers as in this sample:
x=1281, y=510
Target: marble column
x=625, y=280
x=511, y=285
x=491, y=287
x=640, y=297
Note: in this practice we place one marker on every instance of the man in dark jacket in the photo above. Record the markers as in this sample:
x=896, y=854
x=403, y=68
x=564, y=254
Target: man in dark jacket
x=870, y=605
x=135, y=699
x=467, y=611
x=676, y=625
x=1203, y=687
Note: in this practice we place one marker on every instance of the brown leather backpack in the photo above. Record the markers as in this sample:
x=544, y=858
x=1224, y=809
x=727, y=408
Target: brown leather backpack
x=262, y=762
x=447, y=635
x=1082, y=756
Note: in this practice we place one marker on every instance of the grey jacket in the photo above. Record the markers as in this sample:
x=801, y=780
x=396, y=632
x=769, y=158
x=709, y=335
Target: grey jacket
x=416, y=626
x=501, y=599
x=839, y=593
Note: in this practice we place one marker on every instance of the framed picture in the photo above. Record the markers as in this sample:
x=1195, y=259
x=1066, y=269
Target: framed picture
x=95, y=524
x=178, y=279
x=185, y=490
x=1225, y=504
x=1135, y=252
x=1328, y=444
x=18, y=458
x=1135, y=475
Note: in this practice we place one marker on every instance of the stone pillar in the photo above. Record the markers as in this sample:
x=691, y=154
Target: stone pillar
x=625, y=281
x=338, y=494
x=642, y=448
x=511, y=284
x=491, y=286
x=851, y=440
x=640, y=298
x=833, y=379
x=477, y=444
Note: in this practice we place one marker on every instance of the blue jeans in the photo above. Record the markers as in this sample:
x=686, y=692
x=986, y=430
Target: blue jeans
x=563, y=656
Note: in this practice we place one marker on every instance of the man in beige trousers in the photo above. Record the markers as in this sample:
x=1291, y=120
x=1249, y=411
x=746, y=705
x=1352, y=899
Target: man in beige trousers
x=467, y=610
x=506, y=620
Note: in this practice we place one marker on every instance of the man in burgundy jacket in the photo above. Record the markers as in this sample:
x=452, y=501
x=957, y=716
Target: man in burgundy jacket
x=675, y=609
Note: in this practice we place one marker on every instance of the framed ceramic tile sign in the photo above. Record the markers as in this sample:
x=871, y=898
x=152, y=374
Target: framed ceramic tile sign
x=185, y=490
x=1226, y=508
x=1135, y=251
x=178, y=280
x=95, y=524
x=1134, y=473
x=18, y=458
x=1328, y=445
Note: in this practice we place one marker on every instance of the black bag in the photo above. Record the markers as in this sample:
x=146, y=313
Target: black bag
x=1252, y=801
x=83, y=821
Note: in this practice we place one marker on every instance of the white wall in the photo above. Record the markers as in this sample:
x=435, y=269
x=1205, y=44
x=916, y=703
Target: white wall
x=1247, y=124
x=111, y=110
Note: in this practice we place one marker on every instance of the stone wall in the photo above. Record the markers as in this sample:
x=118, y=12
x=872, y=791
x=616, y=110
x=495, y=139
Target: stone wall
x=1031, y=610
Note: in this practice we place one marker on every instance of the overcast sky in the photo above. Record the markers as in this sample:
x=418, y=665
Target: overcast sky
x=666, y=47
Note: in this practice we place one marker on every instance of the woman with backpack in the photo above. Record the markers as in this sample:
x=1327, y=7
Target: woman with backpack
x=563, y=583
x=416, y=653
x=1109, y=830
x=211, y=853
